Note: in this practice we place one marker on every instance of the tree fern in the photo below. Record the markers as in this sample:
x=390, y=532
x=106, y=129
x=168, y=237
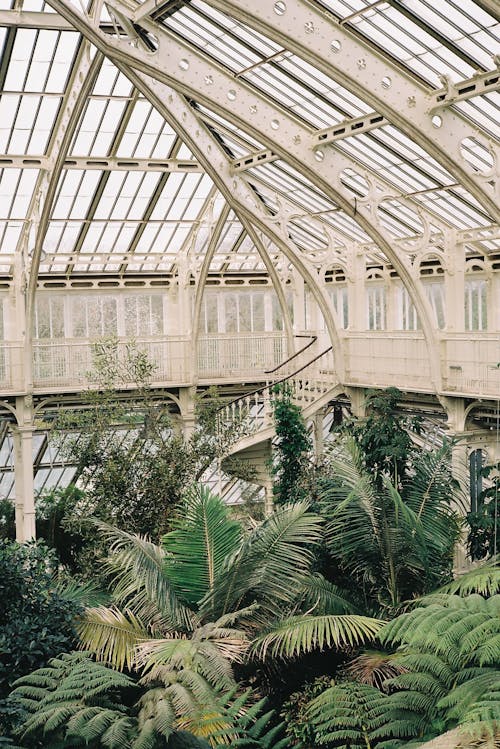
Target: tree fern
x=81, y=702
x=347, y=715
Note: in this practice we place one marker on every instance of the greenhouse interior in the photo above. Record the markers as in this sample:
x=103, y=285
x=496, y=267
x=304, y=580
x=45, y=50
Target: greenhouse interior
x=250, y=374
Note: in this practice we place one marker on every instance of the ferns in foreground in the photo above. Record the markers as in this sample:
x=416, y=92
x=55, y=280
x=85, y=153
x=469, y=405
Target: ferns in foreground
x=75, y=701
x=448, y=656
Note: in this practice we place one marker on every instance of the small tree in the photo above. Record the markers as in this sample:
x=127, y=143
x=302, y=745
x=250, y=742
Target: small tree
x=383, y=435
x=292, y=448
x=133, y=464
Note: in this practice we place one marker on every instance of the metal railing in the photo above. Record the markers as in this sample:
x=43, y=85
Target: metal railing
x=252, y=413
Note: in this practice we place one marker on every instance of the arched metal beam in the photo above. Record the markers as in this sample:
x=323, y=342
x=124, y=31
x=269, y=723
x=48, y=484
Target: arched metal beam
x=238, y=195
x=186, y=70
x=309, y=32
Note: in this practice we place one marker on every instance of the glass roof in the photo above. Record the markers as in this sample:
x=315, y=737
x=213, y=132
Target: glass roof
x=131, y=196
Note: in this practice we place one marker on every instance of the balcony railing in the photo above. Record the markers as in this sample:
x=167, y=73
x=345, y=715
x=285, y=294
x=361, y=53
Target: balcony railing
x=469, y=363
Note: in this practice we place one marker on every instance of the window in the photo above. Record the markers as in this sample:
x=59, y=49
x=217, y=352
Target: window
x=143, y=314
x=93, y=316
x=49, y=317
x=436, y=296
x=407, y=314
x=340, y=304
x=376, y=304
x=475, y=303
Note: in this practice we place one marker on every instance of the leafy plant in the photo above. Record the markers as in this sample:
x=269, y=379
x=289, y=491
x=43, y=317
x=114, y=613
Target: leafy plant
x=395, y=542
x=292, y=447
x=36, y=619
x=383, y=435
x=484, y=535
x=184, y=614
x=450, y=647
x=349, y=715
x=134, y=466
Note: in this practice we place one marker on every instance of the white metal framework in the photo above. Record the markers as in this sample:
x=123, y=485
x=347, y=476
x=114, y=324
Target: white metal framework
x=214, y=177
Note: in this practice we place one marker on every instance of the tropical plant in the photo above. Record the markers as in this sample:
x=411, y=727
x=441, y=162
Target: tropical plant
x=349, y=715
x=383, y=436
x=36, y=617
x=484, y=535
x=291, y=448
x=75, y=701
x=395, y=541
x=450, y=647
x=133, y=465
x=185, y=612
x=443, y=674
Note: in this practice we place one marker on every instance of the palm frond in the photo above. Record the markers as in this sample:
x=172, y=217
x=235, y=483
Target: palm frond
x=269, y=564
x=140, y=583
x=302, y=634
x=112, y=635
x=319, y=596
x=203, y=536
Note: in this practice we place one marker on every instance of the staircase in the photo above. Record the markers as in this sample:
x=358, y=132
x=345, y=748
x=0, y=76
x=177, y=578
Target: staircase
x=312, y=382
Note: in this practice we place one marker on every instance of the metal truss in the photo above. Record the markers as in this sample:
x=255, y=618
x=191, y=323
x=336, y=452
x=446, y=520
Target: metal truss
x=287, y=136
x=108, y=163
x=323, y=168
x=376, y=79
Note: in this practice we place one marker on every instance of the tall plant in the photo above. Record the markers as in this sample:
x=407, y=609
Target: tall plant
x=186, y=612
x=292, y=448
x=396, y=542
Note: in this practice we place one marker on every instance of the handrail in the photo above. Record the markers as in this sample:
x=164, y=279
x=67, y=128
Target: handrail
x=277, y=382
x=300, y=351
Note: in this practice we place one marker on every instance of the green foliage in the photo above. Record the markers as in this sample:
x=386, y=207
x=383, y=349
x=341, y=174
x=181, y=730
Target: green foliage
x=53, y=511
x=75, y=701
x=383, y=436
x=483, y=540
x=133, y=464
x=451, y=650
x=395, y=542
x=483, y=579
x=7, y=520
x=444, y=673
x=292, y=448
x=36, y=619
x=296, y=716
x=349, y=716
x=186, y=613
x=203, y=536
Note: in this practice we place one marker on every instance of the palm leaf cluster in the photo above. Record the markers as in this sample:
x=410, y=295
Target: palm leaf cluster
x=395, y=541
x=212, y=596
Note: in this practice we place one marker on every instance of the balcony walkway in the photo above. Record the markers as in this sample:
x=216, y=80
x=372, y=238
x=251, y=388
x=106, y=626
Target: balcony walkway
x=470, y=366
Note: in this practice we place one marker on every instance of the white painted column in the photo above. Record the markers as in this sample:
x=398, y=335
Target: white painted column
x=22, y=437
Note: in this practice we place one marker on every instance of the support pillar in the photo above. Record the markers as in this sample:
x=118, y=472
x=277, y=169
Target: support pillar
x=187, y=400
x=268, y=497
x=357, y=396
x=318, y=434
x=22, y=438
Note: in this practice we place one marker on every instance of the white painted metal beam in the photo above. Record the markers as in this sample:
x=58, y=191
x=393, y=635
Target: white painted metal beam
x=106, y=164
x=407, y=103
